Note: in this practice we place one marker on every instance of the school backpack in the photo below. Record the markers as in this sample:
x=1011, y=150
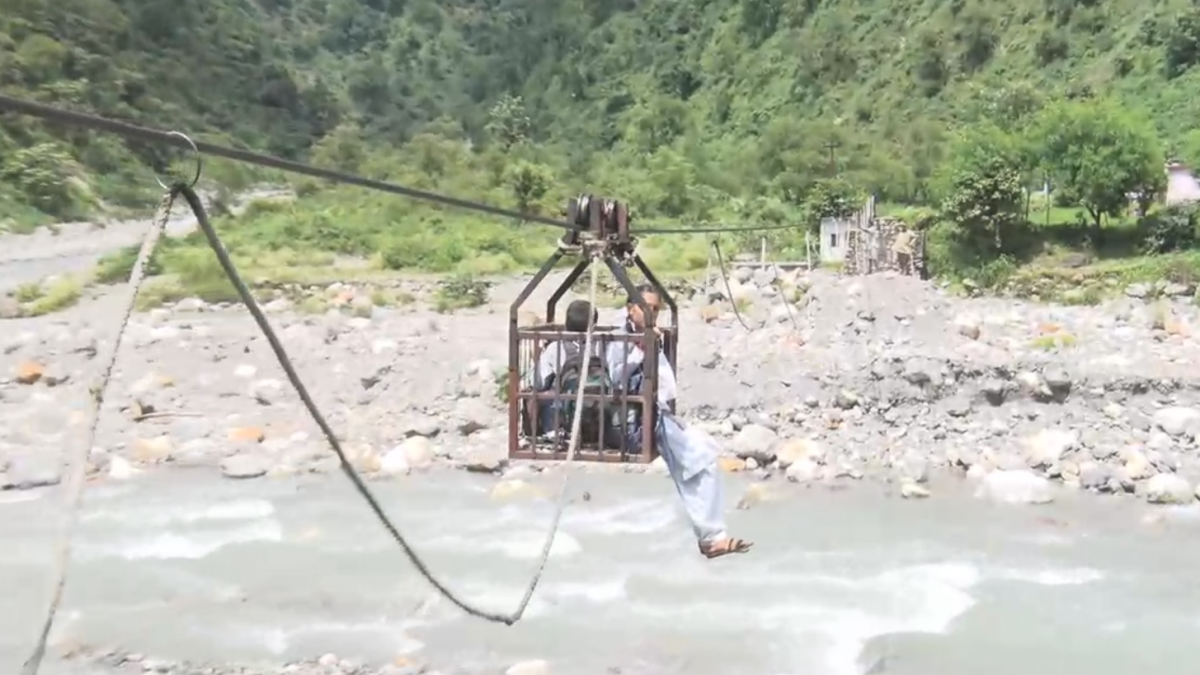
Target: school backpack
x=595, y=414
x=546, y=409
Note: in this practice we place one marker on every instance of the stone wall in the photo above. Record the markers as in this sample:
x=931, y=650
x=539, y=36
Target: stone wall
x=869, y=252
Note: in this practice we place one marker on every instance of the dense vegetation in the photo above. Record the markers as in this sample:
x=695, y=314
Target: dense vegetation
x=746, y=111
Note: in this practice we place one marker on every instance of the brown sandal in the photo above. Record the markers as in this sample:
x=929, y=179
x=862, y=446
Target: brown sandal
x=725, y=547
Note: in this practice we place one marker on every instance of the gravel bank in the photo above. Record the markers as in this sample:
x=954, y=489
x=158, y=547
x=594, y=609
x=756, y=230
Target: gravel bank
x=882, y=378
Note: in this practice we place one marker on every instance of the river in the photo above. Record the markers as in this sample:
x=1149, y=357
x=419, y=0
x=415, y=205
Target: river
x=184, y=566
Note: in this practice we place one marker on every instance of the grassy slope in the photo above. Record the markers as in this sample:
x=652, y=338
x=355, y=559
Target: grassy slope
x=692, y=110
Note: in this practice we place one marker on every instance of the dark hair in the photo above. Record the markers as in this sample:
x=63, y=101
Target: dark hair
x=578, y=314
x=643, y=289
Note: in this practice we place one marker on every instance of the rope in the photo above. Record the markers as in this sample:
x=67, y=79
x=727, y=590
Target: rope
x=783, y=296
x=721, y=229
x=728, y=290
x=285, y=362
x=77, y=460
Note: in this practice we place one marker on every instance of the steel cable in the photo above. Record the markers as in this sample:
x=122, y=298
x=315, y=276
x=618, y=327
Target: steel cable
x=134, y=132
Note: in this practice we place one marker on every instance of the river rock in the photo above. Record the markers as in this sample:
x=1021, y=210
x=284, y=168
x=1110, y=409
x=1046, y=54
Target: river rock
x=757, y=441
x=395, y=462
x=537, y=667
x=756, y=493
x=507, y=490
x=489, y=458
x=1015, y=487
x=796, y=449
x=152, y=450
x=245, y=466
x=119, y=468
x=803, y=471
x=1178, y=421
x=1166, y=488
x=418, y=452
x=1048, y=446
x=29, y=372
x=473, y=415
x=29, y=471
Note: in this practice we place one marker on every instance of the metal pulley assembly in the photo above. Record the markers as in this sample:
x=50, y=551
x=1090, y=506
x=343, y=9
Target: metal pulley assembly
x=600, y=220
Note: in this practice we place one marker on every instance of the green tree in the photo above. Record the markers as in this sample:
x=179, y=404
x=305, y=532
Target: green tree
x=1097, y=154
x=43, y=172
x=342, y=149
x=529, y=183
x=508, y=122
x=983, y=189
x=832, y=198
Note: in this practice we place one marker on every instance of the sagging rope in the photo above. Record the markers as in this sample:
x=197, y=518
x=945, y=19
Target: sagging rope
x=76, y=469
x=79, y=457
x=716, y=248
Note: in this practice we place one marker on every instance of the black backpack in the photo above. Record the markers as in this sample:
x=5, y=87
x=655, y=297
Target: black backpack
x=568, y=349
x=595, y=415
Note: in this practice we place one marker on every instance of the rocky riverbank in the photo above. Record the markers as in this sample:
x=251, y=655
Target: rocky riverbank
x=837, y=379
x=117, y=662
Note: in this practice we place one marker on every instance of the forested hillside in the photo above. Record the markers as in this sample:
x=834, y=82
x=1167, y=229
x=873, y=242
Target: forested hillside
x=693, y=110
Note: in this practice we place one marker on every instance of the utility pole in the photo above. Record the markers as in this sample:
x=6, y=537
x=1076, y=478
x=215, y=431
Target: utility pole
x=832, y=146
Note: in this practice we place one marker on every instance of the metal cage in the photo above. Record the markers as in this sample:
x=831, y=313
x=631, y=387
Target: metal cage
x=539, y=416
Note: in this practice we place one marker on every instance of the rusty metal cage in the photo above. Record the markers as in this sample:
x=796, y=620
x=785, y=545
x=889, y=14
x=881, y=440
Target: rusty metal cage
x=618, y=426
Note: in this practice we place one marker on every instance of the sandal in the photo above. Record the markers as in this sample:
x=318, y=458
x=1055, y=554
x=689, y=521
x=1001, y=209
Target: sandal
x=725, y=547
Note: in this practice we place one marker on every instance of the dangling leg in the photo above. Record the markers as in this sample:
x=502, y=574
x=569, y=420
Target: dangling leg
x=698, y=481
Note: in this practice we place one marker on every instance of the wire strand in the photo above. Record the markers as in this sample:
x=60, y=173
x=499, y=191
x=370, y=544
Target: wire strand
x=76, y=460
x=716, y=247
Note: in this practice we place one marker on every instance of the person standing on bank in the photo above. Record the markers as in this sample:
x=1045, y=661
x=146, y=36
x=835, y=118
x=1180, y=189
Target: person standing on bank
x=689, y=455
x=903, y=248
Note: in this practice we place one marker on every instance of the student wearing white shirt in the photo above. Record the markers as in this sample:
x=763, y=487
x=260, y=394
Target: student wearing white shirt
x=689, y=454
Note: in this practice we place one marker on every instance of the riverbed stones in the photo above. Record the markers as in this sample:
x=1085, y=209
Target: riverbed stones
x=885, y=381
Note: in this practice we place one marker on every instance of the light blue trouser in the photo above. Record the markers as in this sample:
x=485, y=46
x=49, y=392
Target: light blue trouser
x=696, y=476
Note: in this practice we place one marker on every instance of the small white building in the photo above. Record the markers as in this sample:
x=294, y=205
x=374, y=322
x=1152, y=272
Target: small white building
x=835, y=234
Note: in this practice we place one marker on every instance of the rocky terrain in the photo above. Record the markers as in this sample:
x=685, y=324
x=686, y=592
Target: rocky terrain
x=877, y=377
x=877, y=380
x=114, y=662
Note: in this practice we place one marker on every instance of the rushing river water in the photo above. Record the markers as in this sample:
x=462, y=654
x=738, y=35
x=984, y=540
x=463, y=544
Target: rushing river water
x=187, y=567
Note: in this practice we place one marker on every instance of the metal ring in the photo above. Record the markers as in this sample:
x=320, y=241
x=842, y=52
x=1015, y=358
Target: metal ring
x=199, y=163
